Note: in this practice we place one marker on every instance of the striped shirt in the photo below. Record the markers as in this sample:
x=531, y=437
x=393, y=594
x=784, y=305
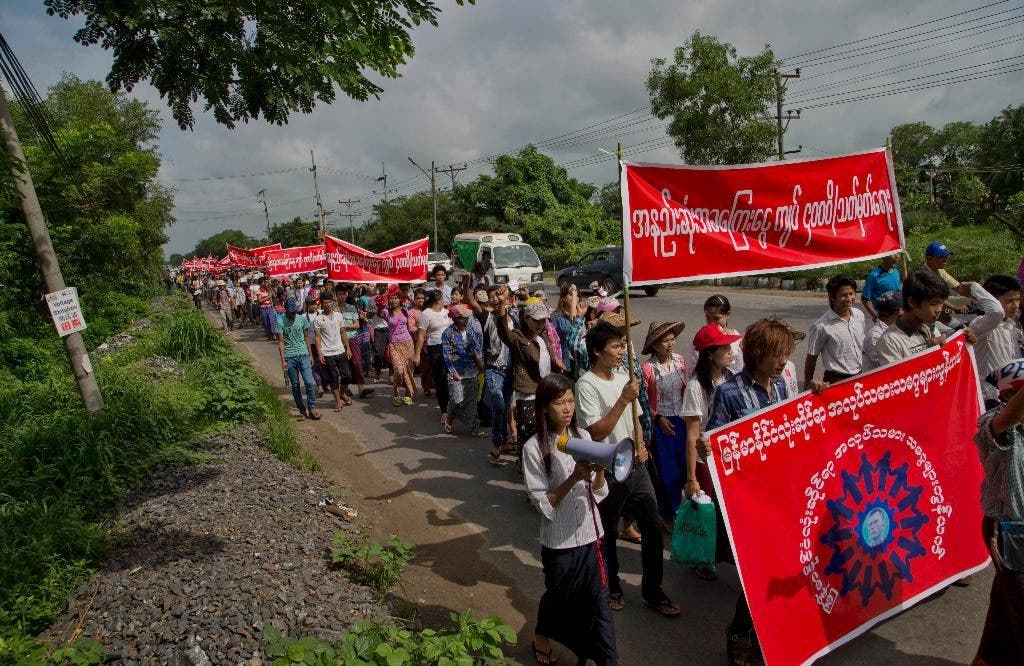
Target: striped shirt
x=1002, y=457
x=571, y=523
x=458, y=348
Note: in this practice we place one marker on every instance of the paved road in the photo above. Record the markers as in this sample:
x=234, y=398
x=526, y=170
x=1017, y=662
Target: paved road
x=445, y=480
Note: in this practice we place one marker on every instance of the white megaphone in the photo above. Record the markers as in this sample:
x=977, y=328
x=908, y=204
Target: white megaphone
x=616, y=458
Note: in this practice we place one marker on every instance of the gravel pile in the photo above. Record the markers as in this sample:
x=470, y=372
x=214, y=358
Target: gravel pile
x=160, y=367
x=210, y=552
x=115, y=342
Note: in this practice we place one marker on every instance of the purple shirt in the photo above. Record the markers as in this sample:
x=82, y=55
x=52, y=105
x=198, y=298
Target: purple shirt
x=399, y=326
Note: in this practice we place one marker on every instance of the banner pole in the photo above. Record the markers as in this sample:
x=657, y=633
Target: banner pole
x=638, y=431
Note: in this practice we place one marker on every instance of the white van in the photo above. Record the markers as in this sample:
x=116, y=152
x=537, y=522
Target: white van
x=511, y=258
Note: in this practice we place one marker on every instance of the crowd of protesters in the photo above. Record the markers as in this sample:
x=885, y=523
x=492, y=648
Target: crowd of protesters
x=503, y=363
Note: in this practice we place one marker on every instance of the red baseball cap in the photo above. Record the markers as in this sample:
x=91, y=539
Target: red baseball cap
x=713, y=336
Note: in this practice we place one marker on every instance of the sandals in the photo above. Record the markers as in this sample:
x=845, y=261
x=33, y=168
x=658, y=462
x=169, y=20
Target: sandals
x=632, y=539
x=448, y=428
x=479, y=433
x=494, y=456
x=541, y=656
x=665, y=607
x=615, y=601
x=314, y=416
x=346, y=400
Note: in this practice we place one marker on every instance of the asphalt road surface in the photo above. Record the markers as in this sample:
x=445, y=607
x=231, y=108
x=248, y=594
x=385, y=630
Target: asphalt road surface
x=452, y=483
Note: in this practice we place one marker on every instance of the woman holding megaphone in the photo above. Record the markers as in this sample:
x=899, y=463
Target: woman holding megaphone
x=574, y=609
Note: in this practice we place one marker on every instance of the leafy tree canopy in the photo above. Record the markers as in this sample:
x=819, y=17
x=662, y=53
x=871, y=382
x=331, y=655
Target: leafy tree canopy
x=216, y=245
x=296, y=233
x=246, y=59
x=717, y=103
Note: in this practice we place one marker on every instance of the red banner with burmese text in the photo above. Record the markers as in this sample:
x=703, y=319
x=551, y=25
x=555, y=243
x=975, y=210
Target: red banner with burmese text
x=351, y=263
x=249, y=257
x=696, y=222
x=293, y=260
x=848, y=507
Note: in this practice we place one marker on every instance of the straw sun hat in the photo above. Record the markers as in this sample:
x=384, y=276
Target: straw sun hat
x=658, y=330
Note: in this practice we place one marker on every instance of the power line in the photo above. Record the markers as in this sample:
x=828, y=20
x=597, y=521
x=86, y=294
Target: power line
x=792, y=59
x=909, y=39
x=801, y=99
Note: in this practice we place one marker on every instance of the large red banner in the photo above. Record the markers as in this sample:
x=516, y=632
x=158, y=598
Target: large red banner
x=848, y=507
x=292, y=260
x=696, y=222
x=351, y=263
x=249, y=257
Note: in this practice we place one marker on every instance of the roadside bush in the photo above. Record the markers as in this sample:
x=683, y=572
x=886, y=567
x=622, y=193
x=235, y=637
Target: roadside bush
x=189, y=337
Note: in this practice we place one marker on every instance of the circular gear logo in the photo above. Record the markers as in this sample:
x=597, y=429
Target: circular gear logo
x=873, y=536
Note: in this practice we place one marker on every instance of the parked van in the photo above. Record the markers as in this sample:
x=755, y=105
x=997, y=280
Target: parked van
x=511, y=258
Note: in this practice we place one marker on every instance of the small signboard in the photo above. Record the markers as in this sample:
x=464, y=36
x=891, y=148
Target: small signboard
x=66, y=311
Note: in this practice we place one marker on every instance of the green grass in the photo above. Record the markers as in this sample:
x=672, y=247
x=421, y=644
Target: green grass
x=62, y=470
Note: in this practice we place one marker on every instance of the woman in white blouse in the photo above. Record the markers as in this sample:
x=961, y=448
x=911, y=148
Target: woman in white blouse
x=574, y=609
x=714, y=359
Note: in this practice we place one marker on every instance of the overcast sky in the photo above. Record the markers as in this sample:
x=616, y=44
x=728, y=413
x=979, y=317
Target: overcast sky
x=495, y=76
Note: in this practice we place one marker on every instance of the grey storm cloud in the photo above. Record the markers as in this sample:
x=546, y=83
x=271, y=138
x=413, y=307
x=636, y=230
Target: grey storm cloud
x=495, y=76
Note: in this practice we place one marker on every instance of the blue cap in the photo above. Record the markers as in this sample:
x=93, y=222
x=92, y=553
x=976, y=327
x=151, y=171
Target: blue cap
x=291, y=305
x=937, y=249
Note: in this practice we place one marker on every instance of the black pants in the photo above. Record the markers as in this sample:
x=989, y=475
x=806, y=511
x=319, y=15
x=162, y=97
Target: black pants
x=831, y=376
x=637, y=495
x=436, y=358
x=338, y=371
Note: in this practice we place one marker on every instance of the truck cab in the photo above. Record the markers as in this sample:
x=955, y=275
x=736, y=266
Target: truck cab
x=512, y=259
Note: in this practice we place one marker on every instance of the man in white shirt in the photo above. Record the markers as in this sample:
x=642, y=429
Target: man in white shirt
x=332, y=344
x=838, y=335
x=888, y=308
x=603, y=397
x=999, y=333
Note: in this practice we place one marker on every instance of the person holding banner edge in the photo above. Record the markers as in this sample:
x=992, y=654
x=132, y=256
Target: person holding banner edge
x=837, y=336
x=1000, y=442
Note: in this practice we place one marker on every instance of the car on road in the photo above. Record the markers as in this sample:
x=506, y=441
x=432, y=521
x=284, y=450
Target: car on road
x=602, y=266
x=435, y=258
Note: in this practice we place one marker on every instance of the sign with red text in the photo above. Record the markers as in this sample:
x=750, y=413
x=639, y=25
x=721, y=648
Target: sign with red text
x=251, y=257
x=696, y=222
x=292, y=260
x=351, y=263
x=66, y=311
x=848, y=507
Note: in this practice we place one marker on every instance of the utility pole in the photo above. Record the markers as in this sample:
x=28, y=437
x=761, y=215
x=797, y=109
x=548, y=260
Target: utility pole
x=384, y=177
x=451, y=171
x=350, y=215
x=316, y=189
x=781, y=80
x=261, y=196
x=433, y=194
x=48, y=263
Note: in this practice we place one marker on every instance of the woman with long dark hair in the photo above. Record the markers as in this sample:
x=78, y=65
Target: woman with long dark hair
x=400, y=348
x=574, y=609
x=718, y=311
x=714, y=359
x=432, y=323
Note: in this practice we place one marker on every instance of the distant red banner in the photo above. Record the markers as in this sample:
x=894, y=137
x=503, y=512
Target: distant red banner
x=292, y=260
x=695, y=222
x=250, y=257
x=351, y=263
x=848, y=507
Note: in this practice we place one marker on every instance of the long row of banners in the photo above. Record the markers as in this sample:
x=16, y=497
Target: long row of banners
x=343, y=261
x=842, y=508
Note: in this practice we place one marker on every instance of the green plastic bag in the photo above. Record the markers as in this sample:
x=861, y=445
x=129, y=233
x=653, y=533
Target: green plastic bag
x=695, y=534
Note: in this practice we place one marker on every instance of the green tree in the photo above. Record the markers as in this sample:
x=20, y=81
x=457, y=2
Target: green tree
x=216, y=245
x=175, y=259
x=105, y=209
x=609, y=200
x=717, y=103
x=1000, y=156
x=296, y=233
x=246, y=59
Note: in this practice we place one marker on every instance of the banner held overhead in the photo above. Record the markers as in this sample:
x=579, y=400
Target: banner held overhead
x=293, y=260
x=351, y=263
x=697, y=222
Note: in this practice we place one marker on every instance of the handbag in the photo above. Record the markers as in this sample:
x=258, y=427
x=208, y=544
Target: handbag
x=695, y=533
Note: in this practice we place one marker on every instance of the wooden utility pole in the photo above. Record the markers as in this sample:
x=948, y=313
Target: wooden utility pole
x=452, y=170
x=433, y=194
x=261, y=196
x=384, y=177
x=350, y=215
x=319, y=204
x=48, y=263
x=780, y=88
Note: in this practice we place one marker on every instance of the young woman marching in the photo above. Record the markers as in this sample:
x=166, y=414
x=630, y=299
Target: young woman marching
x=574, y=609
x=432, y=323
x=718, y=311
x=400, y=348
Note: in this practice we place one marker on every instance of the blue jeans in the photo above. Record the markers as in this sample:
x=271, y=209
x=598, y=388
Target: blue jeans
x=300, y=365
x=494, y=400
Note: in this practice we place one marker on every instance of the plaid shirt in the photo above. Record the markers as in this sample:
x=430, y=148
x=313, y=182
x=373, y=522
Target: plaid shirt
x=740, y=395
x=458, y=350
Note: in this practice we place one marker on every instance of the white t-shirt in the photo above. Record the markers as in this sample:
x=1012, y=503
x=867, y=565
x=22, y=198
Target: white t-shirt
x=789, y=375
x=595, y=397
x=544, y=362
x=696, y=402
x=329, y=327
x=434, y=323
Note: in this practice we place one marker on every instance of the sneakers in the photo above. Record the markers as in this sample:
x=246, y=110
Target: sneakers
x=407, y=400
x=400, y=400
